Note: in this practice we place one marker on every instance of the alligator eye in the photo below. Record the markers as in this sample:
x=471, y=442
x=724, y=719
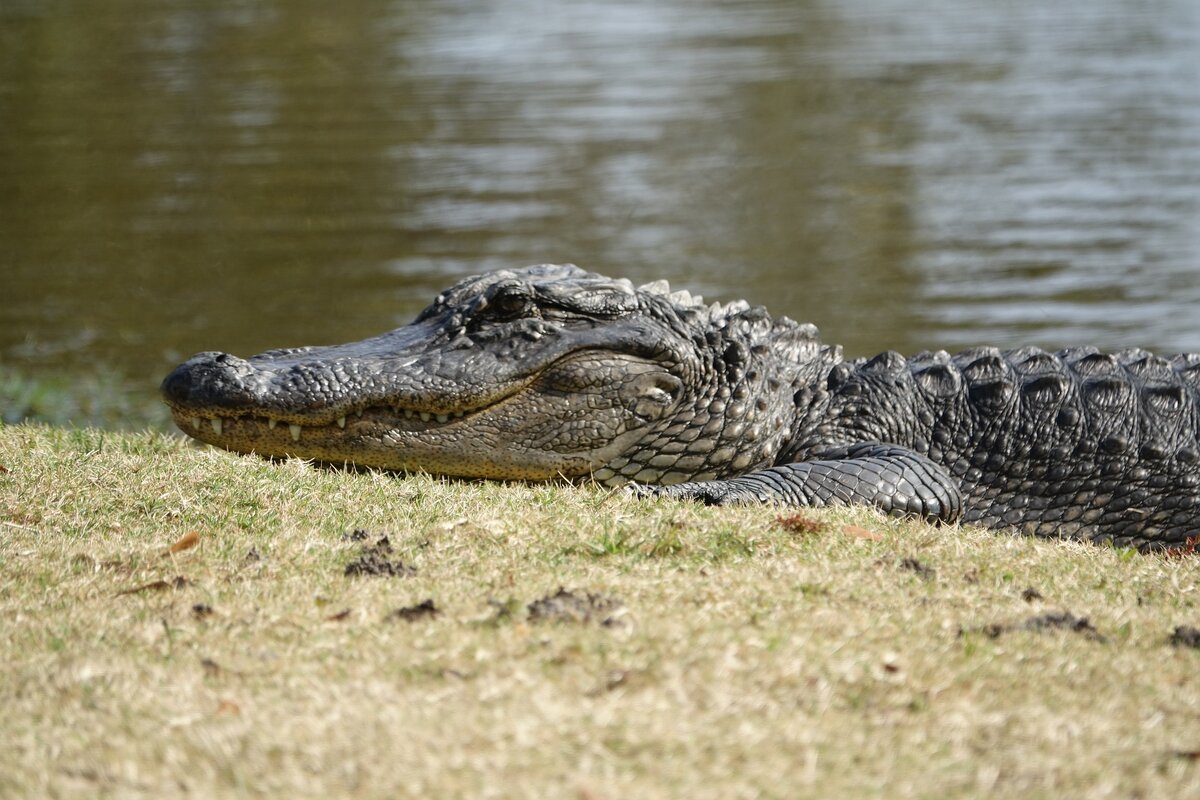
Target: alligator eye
x=509, y=305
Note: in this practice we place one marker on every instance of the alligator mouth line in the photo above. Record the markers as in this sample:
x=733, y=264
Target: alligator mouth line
x=217, y=424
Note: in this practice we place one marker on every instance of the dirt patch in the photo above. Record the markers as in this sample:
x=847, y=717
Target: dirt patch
x=1186, y=636
x=373, y=560
x=922, y=570
x=423, y=610
x=375, y=564
x=1031, y=594
x=568, y=606
x=1055, y=620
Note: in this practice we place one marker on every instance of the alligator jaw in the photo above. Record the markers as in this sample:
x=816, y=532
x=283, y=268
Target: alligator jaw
x=372, y=436
x=322, y=441
x=228, y=430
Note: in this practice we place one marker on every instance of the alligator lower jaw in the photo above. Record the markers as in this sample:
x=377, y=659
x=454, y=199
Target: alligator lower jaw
x=383, y=439
x=344, y=440
x=214, y=428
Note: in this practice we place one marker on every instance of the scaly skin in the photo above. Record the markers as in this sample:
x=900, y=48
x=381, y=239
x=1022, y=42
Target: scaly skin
x=550, y=372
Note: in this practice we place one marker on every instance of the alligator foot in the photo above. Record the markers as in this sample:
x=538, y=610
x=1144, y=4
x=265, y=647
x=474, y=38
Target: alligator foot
x=889, y=477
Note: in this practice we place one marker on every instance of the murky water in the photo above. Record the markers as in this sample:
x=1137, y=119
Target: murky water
x=177, y=177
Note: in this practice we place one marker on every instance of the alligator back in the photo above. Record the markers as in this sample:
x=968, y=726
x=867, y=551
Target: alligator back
x=1078, y=443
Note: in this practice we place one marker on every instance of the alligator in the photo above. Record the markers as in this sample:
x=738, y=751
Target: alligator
x=552, y=372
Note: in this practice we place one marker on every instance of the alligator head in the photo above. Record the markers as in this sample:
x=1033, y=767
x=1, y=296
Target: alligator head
x=536, y=373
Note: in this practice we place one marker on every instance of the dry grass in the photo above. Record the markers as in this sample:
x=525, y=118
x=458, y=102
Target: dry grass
x=725, y=653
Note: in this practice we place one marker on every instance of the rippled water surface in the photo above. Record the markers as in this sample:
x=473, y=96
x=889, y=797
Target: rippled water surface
x=908, y=175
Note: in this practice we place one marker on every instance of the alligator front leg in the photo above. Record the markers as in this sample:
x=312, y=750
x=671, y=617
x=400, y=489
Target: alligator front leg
x=889, y=477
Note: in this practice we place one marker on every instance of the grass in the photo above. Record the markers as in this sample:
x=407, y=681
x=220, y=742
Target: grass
x=102, y=398
x=696, y=652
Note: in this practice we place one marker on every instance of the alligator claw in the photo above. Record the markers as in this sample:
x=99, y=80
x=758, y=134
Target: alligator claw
x=641, y=490
x=710, y=493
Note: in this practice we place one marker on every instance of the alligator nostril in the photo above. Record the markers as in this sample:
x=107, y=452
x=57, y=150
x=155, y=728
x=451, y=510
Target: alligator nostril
x=228, y=360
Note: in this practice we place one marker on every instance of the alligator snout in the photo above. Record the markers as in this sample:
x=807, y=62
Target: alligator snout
x=210, y=380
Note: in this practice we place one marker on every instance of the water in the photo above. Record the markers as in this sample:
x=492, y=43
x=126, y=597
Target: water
x=908, y=175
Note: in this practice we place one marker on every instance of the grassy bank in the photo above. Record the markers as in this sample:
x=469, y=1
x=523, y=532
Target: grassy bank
x=101, y=398
x=180, y=620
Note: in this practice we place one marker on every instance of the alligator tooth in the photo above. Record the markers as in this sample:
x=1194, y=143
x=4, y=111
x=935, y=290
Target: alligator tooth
x=460, y=414
x=295, y=429
x=425, y=416
x=408, y=414
x=216, y=426
x=359, y=413
x=271, y=423
x=443, y=418
x=196, y=423
x=341, y=422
